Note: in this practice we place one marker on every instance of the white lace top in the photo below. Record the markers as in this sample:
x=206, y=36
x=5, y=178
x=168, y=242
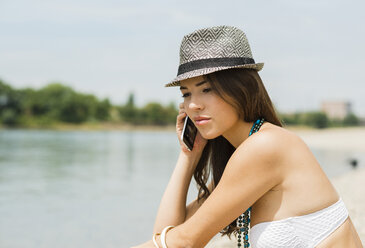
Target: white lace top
x=299, y=231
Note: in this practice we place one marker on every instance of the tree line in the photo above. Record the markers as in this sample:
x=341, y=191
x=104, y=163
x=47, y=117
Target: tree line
x=318, y=119
x=57, y=103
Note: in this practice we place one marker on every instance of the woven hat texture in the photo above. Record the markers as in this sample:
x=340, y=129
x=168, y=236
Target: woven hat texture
x=213, y=49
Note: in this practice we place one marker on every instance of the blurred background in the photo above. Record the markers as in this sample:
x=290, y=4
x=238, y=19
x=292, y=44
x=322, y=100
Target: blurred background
x=87, y=142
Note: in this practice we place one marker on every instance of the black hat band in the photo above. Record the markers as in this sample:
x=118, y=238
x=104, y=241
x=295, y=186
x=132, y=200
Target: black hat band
x=213, y=62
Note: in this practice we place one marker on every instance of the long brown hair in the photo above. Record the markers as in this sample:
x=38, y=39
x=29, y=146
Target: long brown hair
x=244, y=90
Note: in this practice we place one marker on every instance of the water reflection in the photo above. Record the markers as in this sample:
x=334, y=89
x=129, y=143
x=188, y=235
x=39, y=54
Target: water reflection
x=129, y=152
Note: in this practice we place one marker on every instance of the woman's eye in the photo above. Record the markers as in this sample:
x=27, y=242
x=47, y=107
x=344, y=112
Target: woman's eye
x=204, y=90
x=185, y=95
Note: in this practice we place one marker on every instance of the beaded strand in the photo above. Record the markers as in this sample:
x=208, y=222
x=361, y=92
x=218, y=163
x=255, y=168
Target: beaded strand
x=256, y=126
x=243, y=221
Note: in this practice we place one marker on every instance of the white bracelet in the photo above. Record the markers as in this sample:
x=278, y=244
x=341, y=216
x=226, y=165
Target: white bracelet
x=163, y=236
x=154, y=239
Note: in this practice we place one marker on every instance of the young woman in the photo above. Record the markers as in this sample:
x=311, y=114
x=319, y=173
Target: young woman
x=263, y=176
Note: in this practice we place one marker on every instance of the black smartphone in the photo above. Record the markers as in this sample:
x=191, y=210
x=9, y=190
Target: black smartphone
x=189, y=133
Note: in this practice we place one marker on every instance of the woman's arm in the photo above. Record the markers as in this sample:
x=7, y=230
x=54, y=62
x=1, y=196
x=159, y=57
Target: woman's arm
x=172, y=209
x=165, y=218
x=190, y=210
x=253, y=169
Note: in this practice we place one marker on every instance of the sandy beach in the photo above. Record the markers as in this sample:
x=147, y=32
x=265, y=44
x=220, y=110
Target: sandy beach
x=349, y=186
x=352, y=138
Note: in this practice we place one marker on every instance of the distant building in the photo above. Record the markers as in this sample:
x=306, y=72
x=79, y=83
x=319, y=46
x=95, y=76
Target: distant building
x=336, y=109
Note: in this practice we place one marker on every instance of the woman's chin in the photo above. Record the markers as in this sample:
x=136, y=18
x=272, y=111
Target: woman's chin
x=209, y=135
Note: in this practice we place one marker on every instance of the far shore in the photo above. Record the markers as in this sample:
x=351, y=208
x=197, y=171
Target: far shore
x=345, y=138
x=102, y=126
x=170, y=127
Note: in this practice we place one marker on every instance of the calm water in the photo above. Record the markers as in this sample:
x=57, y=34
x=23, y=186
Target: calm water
x=92, y=189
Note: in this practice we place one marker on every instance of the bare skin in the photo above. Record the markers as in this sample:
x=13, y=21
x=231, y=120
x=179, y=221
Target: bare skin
x=273, y=171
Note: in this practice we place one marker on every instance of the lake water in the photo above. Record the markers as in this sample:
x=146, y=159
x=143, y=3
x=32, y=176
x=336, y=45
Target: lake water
x=92, y=188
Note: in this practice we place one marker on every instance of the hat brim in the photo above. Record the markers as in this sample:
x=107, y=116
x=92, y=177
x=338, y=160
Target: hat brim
x=204, y=71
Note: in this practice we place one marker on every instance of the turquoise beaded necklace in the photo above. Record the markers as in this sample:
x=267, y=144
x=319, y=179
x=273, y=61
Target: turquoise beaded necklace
x=243, y=221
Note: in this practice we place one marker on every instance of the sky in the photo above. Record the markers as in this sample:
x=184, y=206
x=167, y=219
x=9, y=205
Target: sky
x=313, y=50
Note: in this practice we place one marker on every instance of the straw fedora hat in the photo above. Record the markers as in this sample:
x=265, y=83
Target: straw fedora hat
x=213, y=49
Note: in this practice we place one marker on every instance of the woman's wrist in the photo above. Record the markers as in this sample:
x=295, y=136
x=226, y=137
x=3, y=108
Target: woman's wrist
x=175, y=239
x=157, y=240
x=191, y=159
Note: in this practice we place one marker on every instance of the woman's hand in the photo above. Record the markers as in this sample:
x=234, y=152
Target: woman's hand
x=199, y=142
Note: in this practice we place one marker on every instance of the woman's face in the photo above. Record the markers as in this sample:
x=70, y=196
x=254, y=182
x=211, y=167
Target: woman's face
x=209, y=112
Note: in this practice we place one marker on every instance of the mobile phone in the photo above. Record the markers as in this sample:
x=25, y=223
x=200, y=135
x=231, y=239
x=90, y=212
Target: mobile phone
x=189, y=133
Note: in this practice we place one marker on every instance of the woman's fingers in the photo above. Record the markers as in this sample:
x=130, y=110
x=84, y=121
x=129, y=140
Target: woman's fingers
x=180, y=119
x=181, y=115
x=180, y=125
x=181, y=108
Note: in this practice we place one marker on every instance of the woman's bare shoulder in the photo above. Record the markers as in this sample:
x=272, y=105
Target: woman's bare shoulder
x=272, y=139
x=265, y=143
x=279, y=135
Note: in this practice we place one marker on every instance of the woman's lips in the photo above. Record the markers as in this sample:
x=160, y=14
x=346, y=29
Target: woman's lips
x=201, y=120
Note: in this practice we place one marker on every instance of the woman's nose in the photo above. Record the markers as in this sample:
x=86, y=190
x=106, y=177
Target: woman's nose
x=195, y=105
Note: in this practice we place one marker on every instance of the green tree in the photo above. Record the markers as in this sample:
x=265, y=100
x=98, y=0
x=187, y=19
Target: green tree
x=290, y=119
x=129, y=112
x=103, y=110
x=62, y=103
x=171, y=113
x=316, y=119
x=75, y=110
x=50, y=99
x=28, y=98
x=10, y=105
x=9, y=117
x=351, y=120
x=156, y=114
x=130, y=101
